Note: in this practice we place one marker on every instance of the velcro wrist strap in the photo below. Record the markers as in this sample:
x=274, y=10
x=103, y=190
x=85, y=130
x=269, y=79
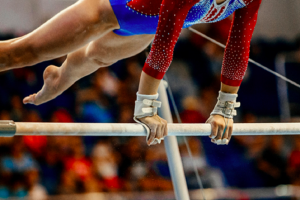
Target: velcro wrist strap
x=146, y=105
x=152, y=103
x=226, y=105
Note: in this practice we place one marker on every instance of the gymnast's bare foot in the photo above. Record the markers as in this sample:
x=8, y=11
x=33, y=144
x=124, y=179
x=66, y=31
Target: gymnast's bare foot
x=50, y=89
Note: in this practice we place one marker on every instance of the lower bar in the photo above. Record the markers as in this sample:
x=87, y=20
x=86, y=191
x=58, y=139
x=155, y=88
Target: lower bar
x=103, y=129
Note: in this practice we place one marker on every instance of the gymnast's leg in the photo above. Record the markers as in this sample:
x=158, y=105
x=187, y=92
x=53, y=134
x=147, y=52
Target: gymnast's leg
x=100, y=53
x=69, y=30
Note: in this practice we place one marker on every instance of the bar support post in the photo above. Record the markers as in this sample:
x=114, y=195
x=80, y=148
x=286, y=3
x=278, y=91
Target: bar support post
x=172, y=150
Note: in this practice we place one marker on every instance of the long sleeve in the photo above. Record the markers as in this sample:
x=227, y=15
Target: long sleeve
x=171, y=18
x=236, y=55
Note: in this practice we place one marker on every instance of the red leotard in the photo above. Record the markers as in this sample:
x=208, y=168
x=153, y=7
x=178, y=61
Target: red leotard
x=172, y=17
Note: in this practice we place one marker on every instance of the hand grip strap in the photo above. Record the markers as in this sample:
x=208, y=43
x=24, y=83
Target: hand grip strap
x=225, y=105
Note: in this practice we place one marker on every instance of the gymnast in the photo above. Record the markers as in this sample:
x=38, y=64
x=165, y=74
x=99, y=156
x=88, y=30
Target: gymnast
x=98, y=33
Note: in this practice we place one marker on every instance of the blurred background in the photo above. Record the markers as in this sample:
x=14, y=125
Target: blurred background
x=251, y=167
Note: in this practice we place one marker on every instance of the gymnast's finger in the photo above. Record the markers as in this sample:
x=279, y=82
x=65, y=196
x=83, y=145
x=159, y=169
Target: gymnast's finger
x=152, y=135
x=166, y=128
x=230, y=131
x=224, y=139
x=214, y=129
x=159, y=130
x=218, y=140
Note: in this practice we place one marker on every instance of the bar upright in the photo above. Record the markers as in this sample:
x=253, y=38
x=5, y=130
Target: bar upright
x=171, y=146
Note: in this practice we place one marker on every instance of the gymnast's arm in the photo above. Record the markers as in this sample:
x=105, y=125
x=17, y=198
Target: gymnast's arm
x=171, y=19
x=235, y=63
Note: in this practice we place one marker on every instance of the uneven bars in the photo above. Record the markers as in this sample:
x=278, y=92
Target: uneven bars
x=10, y=128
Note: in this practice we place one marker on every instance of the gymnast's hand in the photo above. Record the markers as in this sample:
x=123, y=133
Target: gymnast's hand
x=221, y=118
x=158, y=127
x=221, y=129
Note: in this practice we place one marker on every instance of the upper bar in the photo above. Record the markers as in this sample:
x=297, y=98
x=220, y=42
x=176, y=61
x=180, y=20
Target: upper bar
x=103, y=129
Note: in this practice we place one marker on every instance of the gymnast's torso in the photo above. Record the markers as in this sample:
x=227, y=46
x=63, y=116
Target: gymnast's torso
x=141, y=16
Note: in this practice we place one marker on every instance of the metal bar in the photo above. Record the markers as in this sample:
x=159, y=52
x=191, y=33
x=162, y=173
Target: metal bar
x=7, y=128
x=172, y=150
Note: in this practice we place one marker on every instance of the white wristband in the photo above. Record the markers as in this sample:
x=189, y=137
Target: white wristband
x=226, y=105
x=146, y=105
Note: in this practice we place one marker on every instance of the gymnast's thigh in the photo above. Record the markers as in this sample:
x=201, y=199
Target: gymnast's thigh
x=112, y=47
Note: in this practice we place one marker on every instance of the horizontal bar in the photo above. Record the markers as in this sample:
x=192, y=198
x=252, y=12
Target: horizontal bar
x=118, y=129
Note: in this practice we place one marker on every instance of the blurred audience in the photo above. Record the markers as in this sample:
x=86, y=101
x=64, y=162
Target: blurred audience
x=210, y=177
x=105, y=163
x=294, y=162
x=38, y=166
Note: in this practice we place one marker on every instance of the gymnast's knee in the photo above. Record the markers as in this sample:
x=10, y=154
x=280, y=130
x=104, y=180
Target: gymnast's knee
x=99, y=56
x=101, y=62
